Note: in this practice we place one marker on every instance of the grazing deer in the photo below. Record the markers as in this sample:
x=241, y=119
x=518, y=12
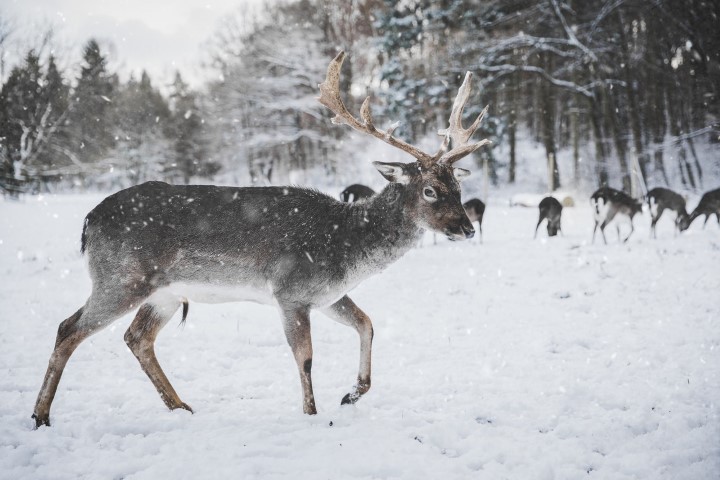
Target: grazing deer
x=356, y=192
x=154, y=245
x=661, y=199
x=475, y=209
x=607, y=203
x=709, y=205
x=550, y=209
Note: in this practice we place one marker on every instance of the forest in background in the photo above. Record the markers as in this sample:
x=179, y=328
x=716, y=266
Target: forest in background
x=628, y=90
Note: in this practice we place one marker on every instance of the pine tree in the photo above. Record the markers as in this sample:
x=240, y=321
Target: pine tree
x=55, y=95
x=186, y=134
x=90, y=119
x=24, y=118
x=140, y=115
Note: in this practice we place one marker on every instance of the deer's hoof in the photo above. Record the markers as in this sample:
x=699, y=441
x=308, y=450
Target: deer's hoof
x=41, y=420
x=350, y=399
x=183, y=406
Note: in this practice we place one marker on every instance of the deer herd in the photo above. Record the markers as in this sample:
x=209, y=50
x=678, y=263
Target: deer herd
x=608, y=204
x=154, y=247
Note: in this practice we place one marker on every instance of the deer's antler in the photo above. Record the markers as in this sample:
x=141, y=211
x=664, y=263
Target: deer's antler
x=330, y=97
x=456, y=132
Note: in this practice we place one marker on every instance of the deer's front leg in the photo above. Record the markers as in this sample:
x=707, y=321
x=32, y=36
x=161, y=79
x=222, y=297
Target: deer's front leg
x=346, y=312
x=296, y=321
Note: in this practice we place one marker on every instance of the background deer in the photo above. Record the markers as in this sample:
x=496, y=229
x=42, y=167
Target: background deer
x=475, y=209
x=661, y=199
x=607, y=203
x=709, y=205
x=153, y=246
x=550, y=209
x=356, y=192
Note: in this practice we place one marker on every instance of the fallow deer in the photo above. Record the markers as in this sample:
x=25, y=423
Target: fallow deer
x=154, y=245
x=475, y=209
x=661, y=199
x=709, y=205
x=550, y=209
x=607, y=203
x=356, y=192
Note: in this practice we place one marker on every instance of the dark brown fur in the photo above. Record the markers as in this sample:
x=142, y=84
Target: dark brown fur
x=475, y=209
x=661, y=199
x=709, y=205
x=550, y=209
x=607, y=203
x=356, y=192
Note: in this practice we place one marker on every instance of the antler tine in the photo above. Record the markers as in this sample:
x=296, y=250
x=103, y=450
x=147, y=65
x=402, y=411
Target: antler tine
x=330, y=97
x=460, y=135
x=330, y=92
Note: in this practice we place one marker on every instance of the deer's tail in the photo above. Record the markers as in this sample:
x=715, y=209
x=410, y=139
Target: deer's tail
x=186, y=307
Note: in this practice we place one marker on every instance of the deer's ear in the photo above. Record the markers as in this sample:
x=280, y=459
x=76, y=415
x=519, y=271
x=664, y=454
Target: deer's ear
x=394, y=172
x=461, y=174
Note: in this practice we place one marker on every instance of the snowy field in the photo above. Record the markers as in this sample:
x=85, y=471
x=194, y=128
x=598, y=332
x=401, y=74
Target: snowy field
x=518, y=359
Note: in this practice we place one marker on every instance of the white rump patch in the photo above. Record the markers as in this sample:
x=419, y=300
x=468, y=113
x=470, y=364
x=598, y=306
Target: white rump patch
x=653, y=207
x=208, y=293
x=600, y=210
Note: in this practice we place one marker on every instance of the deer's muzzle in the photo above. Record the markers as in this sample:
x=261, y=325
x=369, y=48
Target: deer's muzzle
x=464, y=231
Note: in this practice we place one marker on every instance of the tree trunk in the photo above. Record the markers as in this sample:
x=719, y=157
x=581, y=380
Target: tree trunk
x=634, y=110
x=548, y=127
x=512, y=125
x=687, y=129
x=600, y=153
x=611, y=113
x=674, y=109
x=575, y=132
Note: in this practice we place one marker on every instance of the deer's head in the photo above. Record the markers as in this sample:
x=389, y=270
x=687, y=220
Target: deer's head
x=432, y=183
x=432, y=196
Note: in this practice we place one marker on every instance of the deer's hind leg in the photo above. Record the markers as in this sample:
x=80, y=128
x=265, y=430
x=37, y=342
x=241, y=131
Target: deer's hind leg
x=346, y=312
x=654, y=221
x=540, y=221
x=594, y=230
x=632, y=229
x=140, y=337
x=100, y=310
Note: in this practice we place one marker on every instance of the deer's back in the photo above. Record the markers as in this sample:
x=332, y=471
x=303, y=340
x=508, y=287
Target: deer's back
x=550, y=204
x=276, y=239
x=710, y=201
x=475, y=209
x=608, y=199
x=667, y=198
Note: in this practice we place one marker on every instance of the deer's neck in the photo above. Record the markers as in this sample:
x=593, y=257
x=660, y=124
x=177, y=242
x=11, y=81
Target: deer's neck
x=385, y=227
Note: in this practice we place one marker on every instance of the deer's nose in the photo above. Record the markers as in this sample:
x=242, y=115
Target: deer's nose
x=468, y=230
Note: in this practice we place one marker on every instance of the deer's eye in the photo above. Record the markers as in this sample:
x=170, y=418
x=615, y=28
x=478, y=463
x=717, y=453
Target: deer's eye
x=429, y=194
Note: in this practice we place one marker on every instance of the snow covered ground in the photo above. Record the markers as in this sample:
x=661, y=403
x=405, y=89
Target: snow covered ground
x=520, y=359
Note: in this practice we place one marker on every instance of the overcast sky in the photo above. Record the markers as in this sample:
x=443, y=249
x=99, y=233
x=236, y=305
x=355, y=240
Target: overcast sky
x=157, y=35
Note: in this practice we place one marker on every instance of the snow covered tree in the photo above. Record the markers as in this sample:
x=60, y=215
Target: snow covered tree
x=33, y=108
x=139, y=116
x=264, y=111
x=91, y=114
x=186, y=133
x=422, y=46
